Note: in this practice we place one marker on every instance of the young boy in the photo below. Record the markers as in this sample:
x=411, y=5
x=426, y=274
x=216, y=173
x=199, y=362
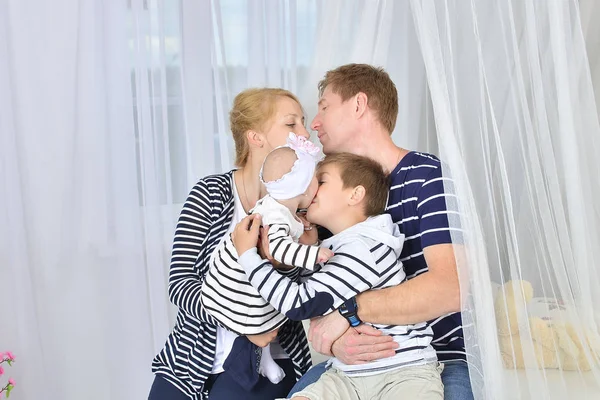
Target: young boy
x=351, y=197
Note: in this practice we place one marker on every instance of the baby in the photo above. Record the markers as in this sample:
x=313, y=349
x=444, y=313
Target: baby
x=288, y=174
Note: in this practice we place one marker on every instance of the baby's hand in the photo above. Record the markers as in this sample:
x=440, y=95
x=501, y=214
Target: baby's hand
x=324, y=255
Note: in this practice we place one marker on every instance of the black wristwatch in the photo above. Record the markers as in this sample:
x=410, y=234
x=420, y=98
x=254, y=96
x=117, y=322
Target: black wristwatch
x=349, y=310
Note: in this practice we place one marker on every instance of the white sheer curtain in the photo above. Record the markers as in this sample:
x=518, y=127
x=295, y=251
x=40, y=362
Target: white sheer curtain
x=72, y=256
x=110, y=111
x=514, y=106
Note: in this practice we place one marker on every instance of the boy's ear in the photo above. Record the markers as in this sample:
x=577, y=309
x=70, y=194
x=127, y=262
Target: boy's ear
x=357, y=196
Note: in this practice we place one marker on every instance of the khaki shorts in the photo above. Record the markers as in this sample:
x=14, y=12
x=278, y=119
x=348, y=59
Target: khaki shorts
x=418, y=382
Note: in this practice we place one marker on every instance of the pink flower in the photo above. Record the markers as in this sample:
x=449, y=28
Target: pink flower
x=10, y=356
x=11, y=381
x=1, y=355
x=1, y=371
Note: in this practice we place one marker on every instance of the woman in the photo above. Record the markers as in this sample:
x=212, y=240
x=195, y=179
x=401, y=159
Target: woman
x=190, y=366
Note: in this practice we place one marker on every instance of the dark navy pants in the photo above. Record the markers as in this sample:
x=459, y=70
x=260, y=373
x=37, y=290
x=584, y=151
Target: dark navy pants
x=224, y=386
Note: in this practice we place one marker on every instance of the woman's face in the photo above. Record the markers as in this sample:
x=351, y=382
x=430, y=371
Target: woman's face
x=288, y=118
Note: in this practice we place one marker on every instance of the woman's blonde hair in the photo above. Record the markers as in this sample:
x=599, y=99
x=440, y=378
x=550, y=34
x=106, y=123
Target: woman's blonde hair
x=252, y=110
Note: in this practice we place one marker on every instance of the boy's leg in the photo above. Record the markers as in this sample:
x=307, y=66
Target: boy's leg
x=332, y=385
x=456, y=380
x=310, y=377
x=418, y=382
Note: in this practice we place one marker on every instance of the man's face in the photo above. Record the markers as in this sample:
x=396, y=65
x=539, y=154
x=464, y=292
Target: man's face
x=334, y=122
x=330, y=197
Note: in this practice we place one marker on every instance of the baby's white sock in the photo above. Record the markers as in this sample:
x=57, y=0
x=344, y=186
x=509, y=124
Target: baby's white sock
x=269, y=368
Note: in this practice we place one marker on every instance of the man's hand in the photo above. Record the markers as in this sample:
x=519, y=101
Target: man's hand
x=263, y=339
x=325, y=330
x=330, y=335
x=363, y=344
x=245, y=234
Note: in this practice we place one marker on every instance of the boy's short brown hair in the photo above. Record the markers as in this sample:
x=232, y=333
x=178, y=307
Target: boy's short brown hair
x=350, y=79
x=362, y=171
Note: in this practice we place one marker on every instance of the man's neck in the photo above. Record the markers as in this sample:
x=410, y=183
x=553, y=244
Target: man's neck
x=376, y=143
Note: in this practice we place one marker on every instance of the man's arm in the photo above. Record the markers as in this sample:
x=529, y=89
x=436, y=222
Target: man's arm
x=427, y=296
x=423, y=298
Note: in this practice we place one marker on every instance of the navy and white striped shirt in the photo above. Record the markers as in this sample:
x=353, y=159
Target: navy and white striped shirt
x=189, y=352
x=418, y=204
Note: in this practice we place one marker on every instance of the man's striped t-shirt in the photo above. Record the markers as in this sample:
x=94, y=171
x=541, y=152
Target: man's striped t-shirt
x=418, y=204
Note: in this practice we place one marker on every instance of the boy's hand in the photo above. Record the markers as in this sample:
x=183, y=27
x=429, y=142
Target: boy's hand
x=324, y=255
x=245, y=234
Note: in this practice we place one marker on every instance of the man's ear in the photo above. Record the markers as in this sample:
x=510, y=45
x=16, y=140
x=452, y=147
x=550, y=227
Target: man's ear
x=255, y=138
x=360, y=103
x=357, y=195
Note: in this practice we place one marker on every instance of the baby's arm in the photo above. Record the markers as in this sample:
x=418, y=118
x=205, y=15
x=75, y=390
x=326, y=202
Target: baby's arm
x=349, y=272
x=284, y=249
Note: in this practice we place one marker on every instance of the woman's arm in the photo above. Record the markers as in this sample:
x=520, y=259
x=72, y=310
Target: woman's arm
x=193, y=226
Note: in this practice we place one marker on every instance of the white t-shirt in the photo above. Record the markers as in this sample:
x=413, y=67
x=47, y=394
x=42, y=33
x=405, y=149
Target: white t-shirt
x=226, y=338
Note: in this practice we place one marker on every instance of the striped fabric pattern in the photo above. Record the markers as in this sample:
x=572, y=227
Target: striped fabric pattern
x=232, y=300
x=421, y=202
x=359, y=263
x=187, y=357
x=285, y=250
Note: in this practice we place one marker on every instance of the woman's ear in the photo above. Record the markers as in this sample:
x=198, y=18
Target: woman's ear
x=255, y=138
x=357, y=196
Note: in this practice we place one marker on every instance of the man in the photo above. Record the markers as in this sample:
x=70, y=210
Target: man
x=357, y=112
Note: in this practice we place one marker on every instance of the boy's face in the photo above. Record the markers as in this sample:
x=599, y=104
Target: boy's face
x=330, y=197
x=334, y=123
x=309, y=194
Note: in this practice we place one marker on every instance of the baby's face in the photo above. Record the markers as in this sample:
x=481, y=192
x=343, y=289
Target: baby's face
x=310, y=193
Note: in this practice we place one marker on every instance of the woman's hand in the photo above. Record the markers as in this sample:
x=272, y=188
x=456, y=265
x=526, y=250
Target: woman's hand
x=245, y=234
x=263, y=339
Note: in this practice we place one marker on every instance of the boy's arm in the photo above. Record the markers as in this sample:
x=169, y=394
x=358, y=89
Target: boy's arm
x=348, y=273
x=286, y=251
